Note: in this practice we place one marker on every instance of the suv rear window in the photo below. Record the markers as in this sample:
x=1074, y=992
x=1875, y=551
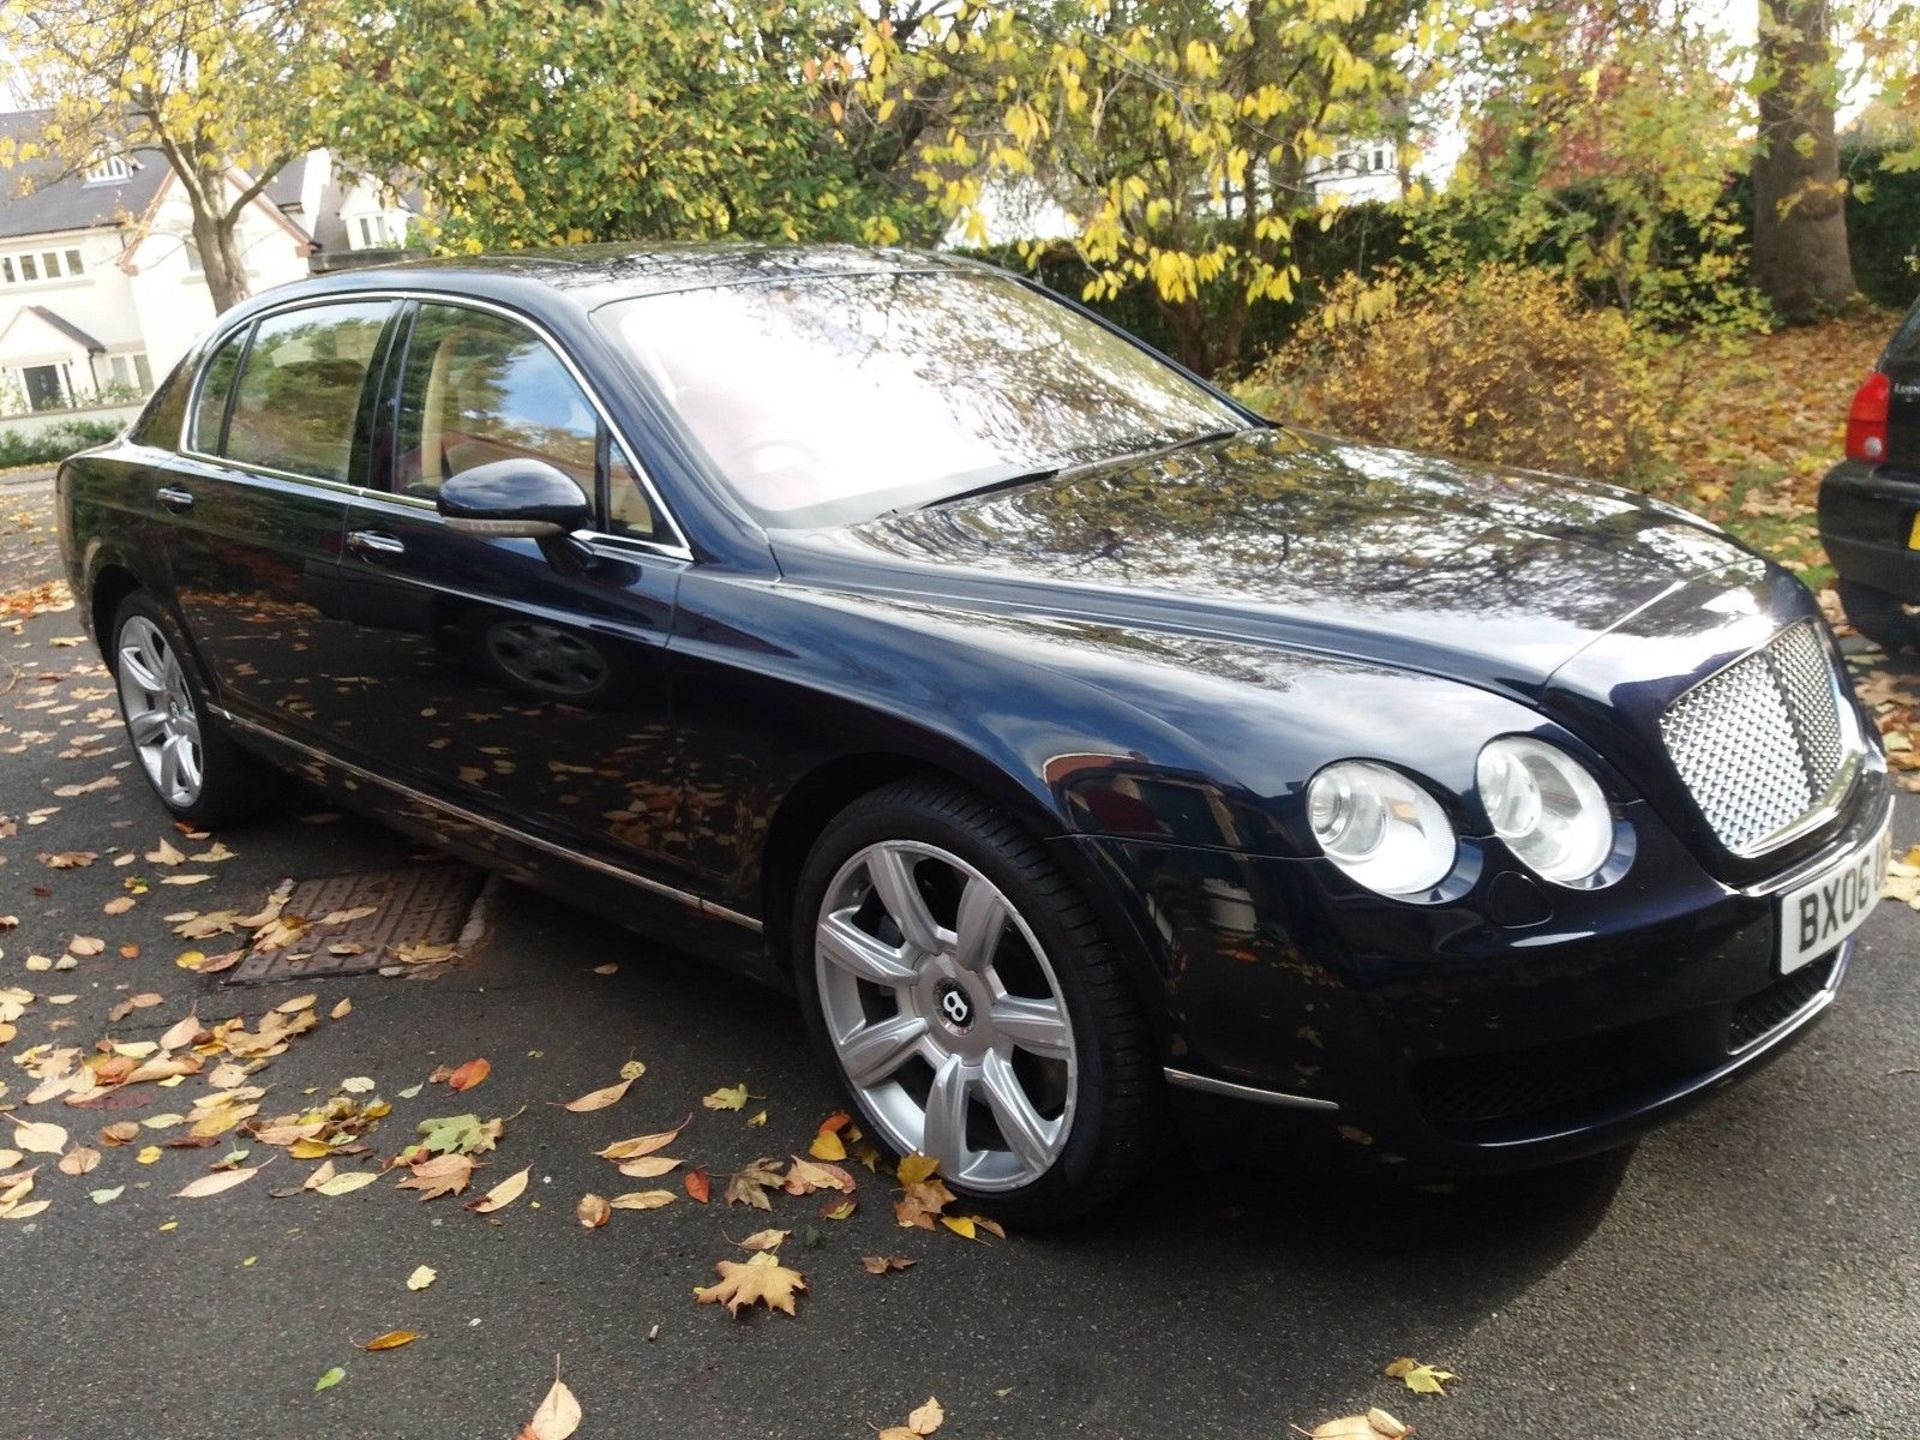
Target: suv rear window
x=299, y=391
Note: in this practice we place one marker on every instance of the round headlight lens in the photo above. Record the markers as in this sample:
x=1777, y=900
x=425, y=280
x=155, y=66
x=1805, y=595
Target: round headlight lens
x=1380, y=827
x=1547, y=808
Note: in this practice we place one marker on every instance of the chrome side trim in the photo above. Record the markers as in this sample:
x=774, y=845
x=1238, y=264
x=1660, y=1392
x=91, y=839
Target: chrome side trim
x=684, y=897
x=1186, y=1080
x=679, y=550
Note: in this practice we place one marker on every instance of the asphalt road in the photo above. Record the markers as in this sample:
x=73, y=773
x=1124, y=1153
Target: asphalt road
x=1750, y=1272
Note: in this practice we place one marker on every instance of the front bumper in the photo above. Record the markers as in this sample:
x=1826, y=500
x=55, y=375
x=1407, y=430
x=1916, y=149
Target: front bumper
x=1866, y=522
x=1437, y=1040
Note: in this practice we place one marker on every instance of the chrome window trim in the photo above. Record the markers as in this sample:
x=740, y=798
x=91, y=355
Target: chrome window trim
x=679, y=549
x=473, y=817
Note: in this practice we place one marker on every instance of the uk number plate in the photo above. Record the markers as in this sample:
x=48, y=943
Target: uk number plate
x=1818, y=915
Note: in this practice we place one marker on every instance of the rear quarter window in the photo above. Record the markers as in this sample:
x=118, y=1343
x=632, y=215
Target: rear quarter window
x=298, y=394
x=166, y=413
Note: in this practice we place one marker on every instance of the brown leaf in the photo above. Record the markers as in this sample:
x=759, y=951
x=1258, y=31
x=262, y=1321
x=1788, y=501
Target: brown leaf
x=763, y=1240
x=806, y=1176
x=442, y=1175
x=121, y=1132
x=750, y=1186
x=181, y=1033
x=392, y=1340
x=927, y=1418
x=763, y=1280
x=593, y=1211
x=881, y=1264
x=88, y=945
x=79, y=1160
x=465, y=1077
x=699, y=1187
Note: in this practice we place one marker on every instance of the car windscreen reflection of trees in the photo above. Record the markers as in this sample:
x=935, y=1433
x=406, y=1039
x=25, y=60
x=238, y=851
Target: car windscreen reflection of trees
x=300, y=388
x=833, y=399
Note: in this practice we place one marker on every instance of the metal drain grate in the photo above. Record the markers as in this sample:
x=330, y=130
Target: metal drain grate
x=427, y=905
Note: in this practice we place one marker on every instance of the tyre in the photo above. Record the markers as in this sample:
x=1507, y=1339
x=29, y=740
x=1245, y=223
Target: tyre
x=971, y=1007
x=199, y=773
x=1881, y=617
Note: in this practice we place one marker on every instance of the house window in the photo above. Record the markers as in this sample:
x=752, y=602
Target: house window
x=50, y=262
x=375, y=233
x=193, y=258
x=1379, y=158
x=73, y=262
x=29, y=268
x=108, y=171
x=6, y=268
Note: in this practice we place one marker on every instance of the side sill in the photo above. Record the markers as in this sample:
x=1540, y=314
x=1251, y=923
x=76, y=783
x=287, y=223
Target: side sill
x=1186, y=1080
x=683, y=897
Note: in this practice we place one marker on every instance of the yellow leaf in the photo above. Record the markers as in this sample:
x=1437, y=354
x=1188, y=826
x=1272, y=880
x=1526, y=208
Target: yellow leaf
x=642, y=1200
x=348, y=1183
x=961, y=1225
x=926, y=1419
x=827, y=1145
x=598, y=1099
x=42, y=1137
x=1421, y=1379
x=763, y=1280
x=916, y=1168
x=148, y=1154
x=732, y=1097
x=423, y=1276
x=214, y=1184
x=764, y=1240
x=503, y=1194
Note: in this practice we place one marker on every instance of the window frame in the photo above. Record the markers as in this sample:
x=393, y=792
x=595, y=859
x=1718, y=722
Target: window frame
x=384, y=385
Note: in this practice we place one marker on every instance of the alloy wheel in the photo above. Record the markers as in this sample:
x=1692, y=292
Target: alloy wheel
x=946, y=1015
x=162, y=719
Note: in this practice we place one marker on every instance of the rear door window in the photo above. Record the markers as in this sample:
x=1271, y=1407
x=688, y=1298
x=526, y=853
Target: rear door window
x=216, y=383
x=298, y=395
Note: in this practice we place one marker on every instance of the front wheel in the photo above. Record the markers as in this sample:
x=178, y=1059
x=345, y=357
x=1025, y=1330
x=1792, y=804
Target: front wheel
x=200, y=775
x=972, y=1007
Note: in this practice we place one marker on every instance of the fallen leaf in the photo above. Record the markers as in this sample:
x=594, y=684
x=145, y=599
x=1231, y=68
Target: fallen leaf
x=926, y=1419
x=642, y=1144
x=915, y=1168
x=642, y=1200
x=42, y=1137
x=763, y=1280
x=296, y=1005
x=839, y=1209
x=79, y=1160
x=165, y=854
x=119, y=905
x=465, y=1077
x=214, y=1184
x=806, y=1176
x=392, y=1340
x=104, y=1197
x=763, y=1240
x=181, y=1033
x=649, y=1167
x=728, y=1098
x=327, y=1381
x=881, y=1264
x=557, y=1418
x=750, y=1185
x=85, y=945
x=501, y=1195
x=1421, y=1379
x=699, y=1187
x=593, y=1211
x=347, y=1183
x=1374, y=1425
x=827, y=1145
x=422, y=1277
x=595, y=1099
x=148, y=1154
x=342, y=1010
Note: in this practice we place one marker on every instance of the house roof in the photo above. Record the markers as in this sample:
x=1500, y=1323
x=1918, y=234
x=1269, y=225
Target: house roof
x=67, y=328
x=37, y=199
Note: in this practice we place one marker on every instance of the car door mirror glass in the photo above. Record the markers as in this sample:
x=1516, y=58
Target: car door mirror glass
x=514, y=499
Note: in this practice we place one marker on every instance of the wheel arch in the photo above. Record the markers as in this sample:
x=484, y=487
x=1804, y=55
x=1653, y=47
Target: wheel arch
x=112, y=584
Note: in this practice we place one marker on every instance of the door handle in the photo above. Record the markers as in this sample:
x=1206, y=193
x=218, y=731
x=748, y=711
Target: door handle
x=375, y=544
x=174, y=498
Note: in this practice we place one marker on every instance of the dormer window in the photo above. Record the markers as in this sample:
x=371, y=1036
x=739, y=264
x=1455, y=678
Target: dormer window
x=108, y=171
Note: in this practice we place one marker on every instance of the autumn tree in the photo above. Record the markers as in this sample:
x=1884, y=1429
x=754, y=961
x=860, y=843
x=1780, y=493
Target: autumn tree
x=530, y=122
x=223, y=89
x=1179, y=134
x=1800, y=259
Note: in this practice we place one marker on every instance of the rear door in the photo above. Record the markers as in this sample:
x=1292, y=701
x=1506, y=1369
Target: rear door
x=254, y=511
x=524, y=683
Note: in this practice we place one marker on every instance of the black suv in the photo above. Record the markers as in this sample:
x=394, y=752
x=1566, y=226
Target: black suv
x=1870, y=502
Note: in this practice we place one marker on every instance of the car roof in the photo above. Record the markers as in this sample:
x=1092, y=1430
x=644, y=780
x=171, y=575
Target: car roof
x=595, y=275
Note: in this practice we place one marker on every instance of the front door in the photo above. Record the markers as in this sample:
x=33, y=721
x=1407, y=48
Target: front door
x=527, y=684
x=255, y=507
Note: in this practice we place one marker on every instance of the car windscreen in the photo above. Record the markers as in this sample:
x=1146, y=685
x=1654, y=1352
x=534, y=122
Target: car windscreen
x=833, y=399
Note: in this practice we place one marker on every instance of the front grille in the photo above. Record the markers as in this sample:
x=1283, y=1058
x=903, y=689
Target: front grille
x=1759, y=1015
x=1759, y=744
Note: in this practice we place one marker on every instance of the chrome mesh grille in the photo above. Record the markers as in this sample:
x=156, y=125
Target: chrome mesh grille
x=1759, y=743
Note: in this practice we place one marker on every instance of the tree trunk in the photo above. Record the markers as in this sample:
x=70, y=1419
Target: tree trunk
x=1800, y=259
x=221, y=265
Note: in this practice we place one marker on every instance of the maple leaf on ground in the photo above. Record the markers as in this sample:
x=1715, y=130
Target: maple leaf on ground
x=750, y=1186
x=763, y=1280
x=1421, y=1379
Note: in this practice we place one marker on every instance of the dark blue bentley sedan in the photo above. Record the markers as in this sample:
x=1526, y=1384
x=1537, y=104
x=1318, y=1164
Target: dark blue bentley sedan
x=1088, y=754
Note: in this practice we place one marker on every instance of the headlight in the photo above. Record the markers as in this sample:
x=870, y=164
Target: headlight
x=1547, y=808
x=1381, y=828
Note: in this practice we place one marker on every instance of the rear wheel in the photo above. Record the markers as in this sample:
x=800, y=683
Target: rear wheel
x=200, y=775
x=971, y=1007
x=1882, y=617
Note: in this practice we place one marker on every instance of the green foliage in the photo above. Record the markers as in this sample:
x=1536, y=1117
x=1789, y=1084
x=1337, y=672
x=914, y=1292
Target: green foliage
x=536, y=122
x=1505, y=365
x=54, y=443
x=1883, y=222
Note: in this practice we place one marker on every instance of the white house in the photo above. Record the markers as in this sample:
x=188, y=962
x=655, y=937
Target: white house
x=101, y=287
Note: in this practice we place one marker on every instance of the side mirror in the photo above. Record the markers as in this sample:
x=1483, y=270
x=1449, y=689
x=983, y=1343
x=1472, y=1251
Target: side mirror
x=514, y=500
